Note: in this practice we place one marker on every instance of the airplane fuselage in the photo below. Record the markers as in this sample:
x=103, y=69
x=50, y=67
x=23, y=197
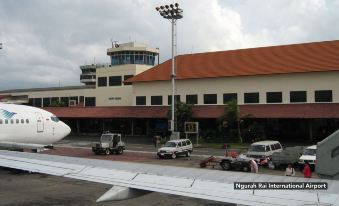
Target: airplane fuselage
x=25, y=124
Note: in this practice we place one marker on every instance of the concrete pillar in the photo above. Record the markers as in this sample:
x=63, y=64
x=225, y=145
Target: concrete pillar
x=132, y=127
x=78, y=126
x=147, y=127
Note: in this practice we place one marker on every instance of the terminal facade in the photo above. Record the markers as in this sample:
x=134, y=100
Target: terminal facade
x=287, y=92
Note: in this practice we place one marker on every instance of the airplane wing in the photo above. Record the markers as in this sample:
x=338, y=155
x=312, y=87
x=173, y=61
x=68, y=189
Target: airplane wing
x=136, y=178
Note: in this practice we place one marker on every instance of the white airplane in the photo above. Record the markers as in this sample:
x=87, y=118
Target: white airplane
x=29, y=127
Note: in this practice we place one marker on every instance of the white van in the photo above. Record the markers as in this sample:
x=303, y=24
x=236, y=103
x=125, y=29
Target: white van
x=308, y=155
x=263, y=149
x=174, y=148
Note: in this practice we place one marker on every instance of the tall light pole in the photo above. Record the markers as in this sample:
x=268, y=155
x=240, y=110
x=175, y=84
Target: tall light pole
x=172, y=13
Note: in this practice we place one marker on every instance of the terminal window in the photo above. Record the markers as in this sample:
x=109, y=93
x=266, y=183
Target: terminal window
x=191, y=99
x=64, y=101
x=37, y=102
x=210, y=98
x=54, y=100
x=298, y=96
x=273, y=97
x=227, y=97
x=140, y=100
x=46, y=101
x=90, y=101
x=323, y=96
x=156, y=100
x=177, y=99
x=102, y=81
x=115, y=81
x=251, y=98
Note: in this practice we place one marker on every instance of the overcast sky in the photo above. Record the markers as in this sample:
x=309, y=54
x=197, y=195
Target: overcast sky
x=45, y=41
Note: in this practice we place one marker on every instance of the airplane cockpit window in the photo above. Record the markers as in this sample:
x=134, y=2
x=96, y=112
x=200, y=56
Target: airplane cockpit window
x=55, y=119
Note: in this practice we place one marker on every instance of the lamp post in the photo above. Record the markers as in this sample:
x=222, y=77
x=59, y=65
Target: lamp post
x=172, y=13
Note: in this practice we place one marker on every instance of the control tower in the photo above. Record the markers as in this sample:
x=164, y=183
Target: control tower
x=132, y=53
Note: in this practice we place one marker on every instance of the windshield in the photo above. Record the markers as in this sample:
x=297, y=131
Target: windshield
x=170, y=144
x=106, y=138
x=257, y=148
x=55, y=119
x=311, y=152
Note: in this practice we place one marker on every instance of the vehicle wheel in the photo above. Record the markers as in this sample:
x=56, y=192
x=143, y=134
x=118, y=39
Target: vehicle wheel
x=174, y=156
x=120, y=150
x=188, y=154
x=225, y=165
x=107, y=152
x=245, y=169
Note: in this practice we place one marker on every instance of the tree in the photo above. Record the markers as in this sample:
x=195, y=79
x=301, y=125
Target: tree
x=183, y=113
x=231, y=117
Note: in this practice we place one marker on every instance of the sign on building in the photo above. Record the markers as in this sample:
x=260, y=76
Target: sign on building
x=191, y=127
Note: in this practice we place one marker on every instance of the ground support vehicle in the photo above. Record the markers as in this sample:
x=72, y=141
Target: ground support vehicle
x=210, y=161
x=110, y=143
x=240, y=163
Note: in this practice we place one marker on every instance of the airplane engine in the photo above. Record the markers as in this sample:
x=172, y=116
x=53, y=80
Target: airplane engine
x=121, y=193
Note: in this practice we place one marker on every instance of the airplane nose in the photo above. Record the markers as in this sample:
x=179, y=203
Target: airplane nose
x=63, y=131
x=67, y=130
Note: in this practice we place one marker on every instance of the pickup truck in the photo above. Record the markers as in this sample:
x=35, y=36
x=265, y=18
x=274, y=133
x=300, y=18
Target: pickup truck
x=110, y=143
x=290, y=155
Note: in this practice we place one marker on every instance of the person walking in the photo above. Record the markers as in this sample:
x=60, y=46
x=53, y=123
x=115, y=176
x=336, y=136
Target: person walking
x=289, y=170
x=307, y=170
x=254, y=166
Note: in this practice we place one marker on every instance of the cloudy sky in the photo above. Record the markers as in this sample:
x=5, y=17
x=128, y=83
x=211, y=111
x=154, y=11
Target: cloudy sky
x=45, y=41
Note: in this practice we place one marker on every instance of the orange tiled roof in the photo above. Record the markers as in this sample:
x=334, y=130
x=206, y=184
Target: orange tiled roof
x=296, y=58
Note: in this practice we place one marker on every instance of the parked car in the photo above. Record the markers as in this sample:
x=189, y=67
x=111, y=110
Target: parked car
x=109, y=143
x=174, y=148
x=263, y=149
x=309, y=155
x=240, y=163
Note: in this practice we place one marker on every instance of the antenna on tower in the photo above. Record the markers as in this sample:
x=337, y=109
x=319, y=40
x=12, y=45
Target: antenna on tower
x=114, y=44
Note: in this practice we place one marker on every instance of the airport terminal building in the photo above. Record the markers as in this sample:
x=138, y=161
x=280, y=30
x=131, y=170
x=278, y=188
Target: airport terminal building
x=288, y=92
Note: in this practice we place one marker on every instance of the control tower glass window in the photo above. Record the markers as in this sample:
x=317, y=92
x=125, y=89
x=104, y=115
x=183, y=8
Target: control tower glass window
x=133, y=57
